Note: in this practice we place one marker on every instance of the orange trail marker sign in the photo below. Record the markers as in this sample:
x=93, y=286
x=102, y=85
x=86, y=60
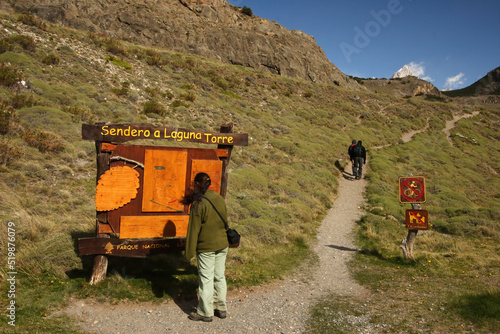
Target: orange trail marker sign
x=412, y=189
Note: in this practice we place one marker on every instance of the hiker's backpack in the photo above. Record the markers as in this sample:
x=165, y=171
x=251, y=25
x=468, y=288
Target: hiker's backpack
x=358, y=151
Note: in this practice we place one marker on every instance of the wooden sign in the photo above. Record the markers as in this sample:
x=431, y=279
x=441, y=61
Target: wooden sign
x=127, y=247
x=412, y=189
x=417, y=219
x=139, y=188
x=119, y=133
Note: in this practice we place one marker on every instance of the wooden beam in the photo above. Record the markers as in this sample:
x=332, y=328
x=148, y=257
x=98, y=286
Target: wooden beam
x=225, y=128
x=129, y=247
x=119, y=133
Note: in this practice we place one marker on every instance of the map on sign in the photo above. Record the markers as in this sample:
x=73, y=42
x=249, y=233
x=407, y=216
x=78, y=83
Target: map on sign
x=412, y=189
x=164, y=180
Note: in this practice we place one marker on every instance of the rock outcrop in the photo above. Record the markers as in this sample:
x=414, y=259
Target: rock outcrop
x=401, y=87
x=210, y=28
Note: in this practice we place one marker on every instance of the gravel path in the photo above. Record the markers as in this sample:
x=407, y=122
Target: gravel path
x=281, y=307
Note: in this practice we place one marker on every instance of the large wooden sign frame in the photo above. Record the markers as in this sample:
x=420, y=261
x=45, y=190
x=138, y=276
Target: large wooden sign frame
x=139, y=187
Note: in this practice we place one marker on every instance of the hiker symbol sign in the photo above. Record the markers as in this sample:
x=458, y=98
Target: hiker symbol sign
x=412, y=189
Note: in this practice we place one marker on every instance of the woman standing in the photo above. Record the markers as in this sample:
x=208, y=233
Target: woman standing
x=207, y=239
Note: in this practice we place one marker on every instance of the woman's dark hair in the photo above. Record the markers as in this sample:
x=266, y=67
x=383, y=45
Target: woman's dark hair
x=200, y=186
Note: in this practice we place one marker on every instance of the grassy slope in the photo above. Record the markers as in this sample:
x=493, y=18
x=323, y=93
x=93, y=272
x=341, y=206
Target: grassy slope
x=280, y=187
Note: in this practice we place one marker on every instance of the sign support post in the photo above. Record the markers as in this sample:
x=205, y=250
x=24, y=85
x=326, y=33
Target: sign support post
x=412, y=190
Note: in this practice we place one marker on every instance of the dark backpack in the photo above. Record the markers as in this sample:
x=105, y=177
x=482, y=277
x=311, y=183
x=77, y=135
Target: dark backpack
x=357, y=151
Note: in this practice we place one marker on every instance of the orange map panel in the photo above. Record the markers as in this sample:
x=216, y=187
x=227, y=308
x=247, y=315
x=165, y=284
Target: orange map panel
x=164, y=181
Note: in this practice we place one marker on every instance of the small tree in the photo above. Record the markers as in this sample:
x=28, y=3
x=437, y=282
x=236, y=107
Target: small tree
x=247, y=11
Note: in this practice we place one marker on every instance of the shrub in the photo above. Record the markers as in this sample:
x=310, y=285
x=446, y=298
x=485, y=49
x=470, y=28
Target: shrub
x=32, y=20
x=189, y=97
x=26, y=42
x=115, y=47
x=154, y=58
x=9, y=75
x=51, y=59
x=8, y=151
x=122, y=91
x=154, y=107
x=178, y=103
x=19, y=101
x=308, y=94
x=4, y=45
x=44, y=141
x=81, y=114
x=7, y=113
x=247, y=11
x=119, y=62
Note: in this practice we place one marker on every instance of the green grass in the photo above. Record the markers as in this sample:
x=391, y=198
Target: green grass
x=452, y=285
x=280, y=186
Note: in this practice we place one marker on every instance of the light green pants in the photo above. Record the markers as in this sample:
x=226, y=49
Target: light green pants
x=212, y=282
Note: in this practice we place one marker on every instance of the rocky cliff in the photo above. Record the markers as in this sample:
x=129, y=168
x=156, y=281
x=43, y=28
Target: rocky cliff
x=211, y=28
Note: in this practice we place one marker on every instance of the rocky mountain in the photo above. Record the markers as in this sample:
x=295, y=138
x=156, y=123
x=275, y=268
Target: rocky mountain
x=405, y=71
x=211, y=28
x=487, y=85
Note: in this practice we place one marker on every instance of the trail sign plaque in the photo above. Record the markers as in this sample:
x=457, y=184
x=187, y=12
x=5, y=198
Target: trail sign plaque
x=412, y=189
x=417, y=219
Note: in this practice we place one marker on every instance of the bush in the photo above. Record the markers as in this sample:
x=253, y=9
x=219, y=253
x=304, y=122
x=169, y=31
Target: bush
x=25, y=42
x=119, y=62
x=7, y=113
x=154, y=107
x=247, y=11
x=122, y=91
x=19, y=101
x=44, y=141
x=9, y=75
x=115, y=47
x=51, y=59
x=189, y=97
x=32, y=20
x=8, y=151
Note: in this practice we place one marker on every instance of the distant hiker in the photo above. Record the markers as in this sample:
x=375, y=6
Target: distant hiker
x=359, y=157
x=351, y=156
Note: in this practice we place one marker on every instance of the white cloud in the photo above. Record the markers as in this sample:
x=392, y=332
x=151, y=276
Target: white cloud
x=418, y=70
x=455, y=82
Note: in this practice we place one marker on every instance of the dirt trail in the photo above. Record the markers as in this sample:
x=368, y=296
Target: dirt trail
x=451, y=124
x=280, y=307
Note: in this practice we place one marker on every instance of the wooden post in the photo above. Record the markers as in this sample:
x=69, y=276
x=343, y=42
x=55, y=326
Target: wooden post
x=408, y=242
x=100, y=261
x=225, y=128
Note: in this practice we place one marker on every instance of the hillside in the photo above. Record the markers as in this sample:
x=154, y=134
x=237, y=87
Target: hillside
x=487, y=85
x=54, y=78
x=400, y=87
x=210, y=28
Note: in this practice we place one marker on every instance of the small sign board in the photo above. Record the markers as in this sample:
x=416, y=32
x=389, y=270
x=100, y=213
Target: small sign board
x=129, y=248
x=412, y=189
x=417, y=219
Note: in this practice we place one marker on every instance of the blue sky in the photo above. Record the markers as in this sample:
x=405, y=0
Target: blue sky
x=450, y=43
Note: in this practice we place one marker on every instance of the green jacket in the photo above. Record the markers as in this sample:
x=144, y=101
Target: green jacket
x=206, y=231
